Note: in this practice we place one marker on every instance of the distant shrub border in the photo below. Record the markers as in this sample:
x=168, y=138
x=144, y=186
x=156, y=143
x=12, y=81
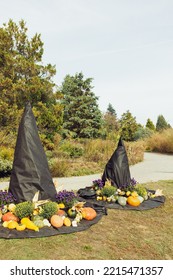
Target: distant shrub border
x=76, y=158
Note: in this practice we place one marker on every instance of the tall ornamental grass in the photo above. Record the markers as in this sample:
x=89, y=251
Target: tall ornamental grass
x=135, y=151
x=161, y=142
x=98, y=150
x=77, y=157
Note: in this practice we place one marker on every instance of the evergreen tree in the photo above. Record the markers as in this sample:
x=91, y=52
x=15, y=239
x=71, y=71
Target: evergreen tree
x=111, y=110
x=82, y=117
x=150, y=125
x=129, y=126
x=161, y=123
x=24, y=78
x=110, y=121
x=142, y=133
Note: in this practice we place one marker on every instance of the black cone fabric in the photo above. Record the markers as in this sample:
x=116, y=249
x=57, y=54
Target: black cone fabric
x=30, y=171
x=117, y=168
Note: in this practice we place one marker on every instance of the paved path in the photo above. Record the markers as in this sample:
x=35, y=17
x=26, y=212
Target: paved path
x=155, y=167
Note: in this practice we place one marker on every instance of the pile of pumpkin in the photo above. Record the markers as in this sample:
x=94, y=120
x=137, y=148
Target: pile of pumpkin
x=132, y=195
x=34, y=216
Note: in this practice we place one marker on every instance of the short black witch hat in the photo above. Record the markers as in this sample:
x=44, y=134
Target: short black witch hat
x=30, y=172
x=117, y=168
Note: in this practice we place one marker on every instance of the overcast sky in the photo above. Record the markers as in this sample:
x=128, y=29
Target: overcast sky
x=126, y=46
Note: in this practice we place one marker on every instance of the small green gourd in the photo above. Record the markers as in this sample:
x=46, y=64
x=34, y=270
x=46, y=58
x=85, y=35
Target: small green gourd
x=39, y=223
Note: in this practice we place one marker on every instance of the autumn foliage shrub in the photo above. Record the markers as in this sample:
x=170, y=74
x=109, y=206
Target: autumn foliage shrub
x=7, y=140
x=6, y=153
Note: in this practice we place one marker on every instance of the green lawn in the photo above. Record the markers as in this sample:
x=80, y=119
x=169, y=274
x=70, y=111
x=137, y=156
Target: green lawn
x=122, y=234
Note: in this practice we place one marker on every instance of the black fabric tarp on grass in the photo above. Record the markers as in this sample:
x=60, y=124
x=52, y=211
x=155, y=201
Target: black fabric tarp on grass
x=90, y=195
x=117, y=171
x=30, y=172
x=117, y=168
x=50, y=231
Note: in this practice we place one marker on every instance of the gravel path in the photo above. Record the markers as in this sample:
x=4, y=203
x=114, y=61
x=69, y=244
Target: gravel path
x=155, y=167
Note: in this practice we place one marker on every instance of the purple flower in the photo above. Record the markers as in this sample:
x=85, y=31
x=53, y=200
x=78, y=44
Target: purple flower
x=133, y=182
x=66, y=197
x=6, y=198
x=98, y=184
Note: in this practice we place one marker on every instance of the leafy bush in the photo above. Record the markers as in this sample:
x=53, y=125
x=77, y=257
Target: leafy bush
x=6, y=161
x=49, y=209
x=108, y=190
x=72, y=149
x=7, y=139
x=24, y=209
x=6, y=153
x=5, y=167
x=49, y=154
x=143, y=133
x=141, y=190
x=57, y=139
x=46, y=142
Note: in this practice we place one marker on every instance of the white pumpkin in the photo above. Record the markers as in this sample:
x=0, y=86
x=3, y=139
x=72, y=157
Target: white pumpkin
x=122, y=200
x=140, y=198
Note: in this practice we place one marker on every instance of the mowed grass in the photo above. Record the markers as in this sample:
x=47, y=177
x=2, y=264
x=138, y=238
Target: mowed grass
x=121, y=235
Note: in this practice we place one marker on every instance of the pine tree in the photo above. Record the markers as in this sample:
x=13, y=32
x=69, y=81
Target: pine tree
x=82, y=117
x=129, y=126
x=111, y=110
x=110, y=122
x=161, y=123
x=150, y=125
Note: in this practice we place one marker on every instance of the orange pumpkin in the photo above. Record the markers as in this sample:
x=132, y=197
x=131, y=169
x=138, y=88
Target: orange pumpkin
x=133, y=201
x=61, y=212
x=9, y=216
x=56, y=221
x=88, y=213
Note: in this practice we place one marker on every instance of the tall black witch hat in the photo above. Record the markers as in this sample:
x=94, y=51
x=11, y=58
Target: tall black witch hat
x=30, y=172
x=117, y=168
